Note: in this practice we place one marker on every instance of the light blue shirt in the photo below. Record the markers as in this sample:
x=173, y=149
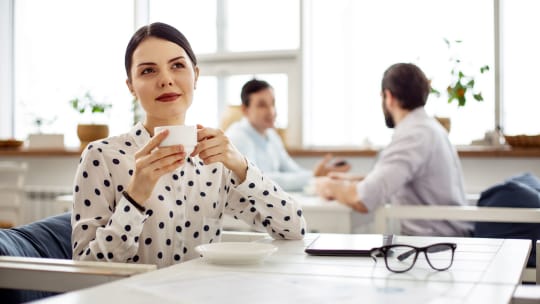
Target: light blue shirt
x=419, y=167
x=268, y=153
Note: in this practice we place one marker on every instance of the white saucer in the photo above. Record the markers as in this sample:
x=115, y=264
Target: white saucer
x=235, y=253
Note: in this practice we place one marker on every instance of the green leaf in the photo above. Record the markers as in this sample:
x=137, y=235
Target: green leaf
x=461, y=100
x=478, y=97
x=447, y=42
x=461, y=75
x=434, y=92
x=484, y=69
x=470, y=84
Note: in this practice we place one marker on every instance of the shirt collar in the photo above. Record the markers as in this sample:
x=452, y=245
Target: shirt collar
x=252, y=131
x=413, y=116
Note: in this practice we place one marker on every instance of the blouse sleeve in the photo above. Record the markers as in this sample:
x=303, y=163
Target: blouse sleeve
x=103, y=229
x=261, y=203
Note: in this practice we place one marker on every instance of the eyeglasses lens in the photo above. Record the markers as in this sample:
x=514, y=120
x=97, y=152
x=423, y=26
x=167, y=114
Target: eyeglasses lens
x=400, y=258
x=440, y=256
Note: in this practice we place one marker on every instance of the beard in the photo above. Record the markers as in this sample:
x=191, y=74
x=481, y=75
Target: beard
x=388, y=119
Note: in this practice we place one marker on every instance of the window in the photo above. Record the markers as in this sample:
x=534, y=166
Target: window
x=60, y=55
x=233, y=41
x=349, y=44
x=326, y=78
x=519, y=67
x=204, y=109
x=251, y=25
x=195, y=19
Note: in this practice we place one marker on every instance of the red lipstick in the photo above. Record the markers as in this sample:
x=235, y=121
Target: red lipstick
x=167, y=97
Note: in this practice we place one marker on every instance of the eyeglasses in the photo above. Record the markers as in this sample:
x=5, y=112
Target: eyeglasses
x=401, y=258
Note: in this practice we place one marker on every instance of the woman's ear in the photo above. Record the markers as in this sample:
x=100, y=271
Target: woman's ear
x=130, y=87
x=196, y=69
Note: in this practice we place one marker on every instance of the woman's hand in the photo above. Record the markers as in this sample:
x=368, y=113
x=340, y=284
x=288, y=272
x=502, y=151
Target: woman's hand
x=213, y=146
x=151, y=163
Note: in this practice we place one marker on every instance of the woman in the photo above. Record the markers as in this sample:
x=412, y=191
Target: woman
x=138, y=202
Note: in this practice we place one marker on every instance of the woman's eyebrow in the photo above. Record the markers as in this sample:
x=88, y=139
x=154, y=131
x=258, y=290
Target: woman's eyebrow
x=152, y=63
x=176, y=58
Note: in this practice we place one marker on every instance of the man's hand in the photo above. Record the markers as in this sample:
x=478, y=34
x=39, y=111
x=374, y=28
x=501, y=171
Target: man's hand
x=327, y=165
x=345, y=176
x=343, y=191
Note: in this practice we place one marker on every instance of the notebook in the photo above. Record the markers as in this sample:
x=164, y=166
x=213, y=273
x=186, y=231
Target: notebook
x=347, y=244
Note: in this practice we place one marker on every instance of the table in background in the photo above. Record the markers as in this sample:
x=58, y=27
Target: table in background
x=322, y=216
x=484, y=271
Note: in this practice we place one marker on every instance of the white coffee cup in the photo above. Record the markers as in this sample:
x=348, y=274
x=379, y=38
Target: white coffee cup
x=179, y=135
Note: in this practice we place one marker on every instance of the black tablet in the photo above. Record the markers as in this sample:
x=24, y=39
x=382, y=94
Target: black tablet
x=347, y=244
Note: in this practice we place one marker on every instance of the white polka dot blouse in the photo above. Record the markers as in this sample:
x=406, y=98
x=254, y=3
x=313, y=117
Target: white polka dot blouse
x=184, y=210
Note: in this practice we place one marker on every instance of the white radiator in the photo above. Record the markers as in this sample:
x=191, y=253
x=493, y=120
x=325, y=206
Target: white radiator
x=41, y=202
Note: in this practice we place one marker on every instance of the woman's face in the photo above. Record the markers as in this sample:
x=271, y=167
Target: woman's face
x=163, y=79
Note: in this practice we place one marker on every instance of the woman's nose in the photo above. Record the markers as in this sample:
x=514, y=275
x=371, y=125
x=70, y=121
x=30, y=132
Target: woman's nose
x=166, y=80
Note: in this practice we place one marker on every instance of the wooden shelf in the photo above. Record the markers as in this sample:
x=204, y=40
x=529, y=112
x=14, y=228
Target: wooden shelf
x=25, y=152
x=463, y=151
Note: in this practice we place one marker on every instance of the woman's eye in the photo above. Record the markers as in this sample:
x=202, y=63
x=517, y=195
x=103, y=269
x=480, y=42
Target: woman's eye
x=147, y=71
x=178, y=65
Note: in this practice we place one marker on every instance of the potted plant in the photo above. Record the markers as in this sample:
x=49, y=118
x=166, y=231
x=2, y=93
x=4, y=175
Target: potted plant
x=462, y=85
x=87, y=105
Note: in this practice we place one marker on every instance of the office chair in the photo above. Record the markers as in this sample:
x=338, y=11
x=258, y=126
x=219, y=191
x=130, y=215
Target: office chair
x=35, y=262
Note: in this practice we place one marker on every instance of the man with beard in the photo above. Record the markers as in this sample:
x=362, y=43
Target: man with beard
x=419, y=167
x=257, y=139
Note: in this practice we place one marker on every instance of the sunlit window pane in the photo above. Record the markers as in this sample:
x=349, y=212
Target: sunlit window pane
x=351, y=43
x=63, y=49
x=262, y=25
x=204, y=109
x=520, y=66
x=195, y=19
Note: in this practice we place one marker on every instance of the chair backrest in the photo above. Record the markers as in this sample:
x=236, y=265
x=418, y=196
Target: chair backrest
x=521, y=191
x=47, y=238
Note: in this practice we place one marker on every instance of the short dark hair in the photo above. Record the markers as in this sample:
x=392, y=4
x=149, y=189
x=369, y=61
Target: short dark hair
x=252, y=86
x=408, y=84
x=158, y=30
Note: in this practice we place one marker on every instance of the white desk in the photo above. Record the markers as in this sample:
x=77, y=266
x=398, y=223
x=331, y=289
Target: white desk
x=484, y=271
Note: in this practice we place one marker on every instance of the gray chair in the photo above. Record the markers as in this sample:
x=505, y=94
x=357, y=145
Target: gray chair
x=35, y=262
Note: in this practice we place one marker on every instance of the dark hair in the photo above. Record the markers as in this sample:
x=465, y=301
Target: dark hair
x=408, y=84
x=253, y=86
x=158, y=30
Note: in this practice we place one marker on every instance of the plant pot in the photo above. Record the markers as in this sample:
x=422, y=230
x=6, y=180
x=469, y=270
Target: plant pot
x=91, y=132
x=445, y=122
